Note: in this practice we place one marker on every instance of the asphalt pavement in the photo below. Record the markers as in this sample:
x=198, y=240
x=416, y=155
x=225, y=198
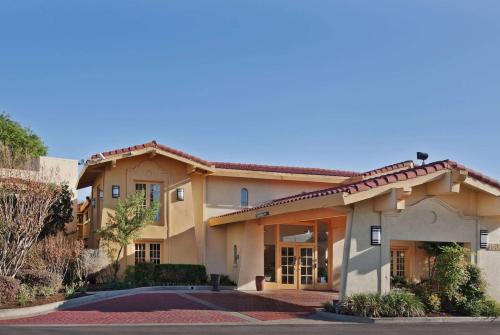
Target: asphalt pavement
x=482, y=328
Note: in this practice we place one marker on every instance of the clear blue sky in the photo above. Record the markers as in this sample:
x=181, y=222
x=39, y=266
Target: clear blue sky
x=335, y=84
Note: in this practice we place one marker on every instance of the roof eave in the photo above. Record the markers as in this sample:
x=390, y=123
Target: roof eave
x=235, y=173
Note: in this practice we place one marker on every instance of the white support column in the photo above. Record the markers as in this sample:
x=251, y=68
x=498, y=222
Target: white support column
x=346, y=254
x=385, y=257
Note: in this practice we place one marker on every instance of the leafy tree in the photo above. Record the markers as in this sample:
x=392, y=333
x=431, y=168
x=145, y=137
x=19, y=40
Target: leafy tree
x=61, y=213
x=21, y=141
x=130, y=217
x=434, y=249
x=24, y=205
x=451, y=271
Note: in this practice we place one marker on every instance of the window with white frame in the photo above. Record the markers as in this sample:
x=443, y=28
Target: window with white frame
x=398, y=263
x=154, y=253
x=148, y=252
x=140, y=253
x=152, y=193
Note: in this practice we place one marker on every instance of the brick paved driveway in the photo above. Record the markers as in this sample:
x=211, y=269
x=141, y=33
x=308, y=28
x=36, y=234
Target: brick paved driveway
x=222, y=307
x=140, y=308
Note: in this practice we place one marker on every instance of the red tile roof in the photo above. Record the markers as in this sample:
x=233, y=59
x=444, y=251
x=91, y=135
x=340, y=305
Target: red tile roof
x=233, y=166
x=153, y=144
x=284, y=169
x=365, y=185
x=388, y=168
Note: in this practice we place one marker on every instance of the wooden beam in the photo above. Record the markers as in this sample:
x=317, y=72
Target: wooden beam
x=488, y=205
x=307, y=215
x=449, y=183
x=394, y=200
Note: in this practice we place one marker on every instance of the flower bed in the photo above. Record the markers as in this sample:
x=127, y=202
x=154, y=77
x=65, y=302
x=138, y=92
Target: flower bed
x=42, y=300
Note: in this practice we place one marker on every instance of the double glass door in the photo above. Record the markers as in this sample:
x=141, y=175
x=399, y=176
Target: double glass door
x=297, y=266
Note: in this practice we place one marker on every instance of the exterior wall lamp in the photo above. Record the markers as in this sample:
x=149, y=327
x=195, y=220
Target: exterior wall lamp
x=483, y=239
x=376, y=235
x=115, y=191
x=180, y=194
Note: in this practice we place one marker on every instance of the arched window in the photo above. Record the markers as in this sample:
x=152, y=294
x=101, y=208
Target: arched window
x=244, y=197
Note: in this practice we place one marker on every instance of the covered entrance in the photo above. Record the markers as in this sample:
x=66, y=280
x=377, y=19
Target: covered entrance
x=297, y=255
x=297, y=266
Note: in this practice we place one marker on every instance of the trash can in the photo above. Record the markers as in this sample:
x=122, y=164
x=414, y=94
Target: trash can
x=259, y=283
x=215, y=281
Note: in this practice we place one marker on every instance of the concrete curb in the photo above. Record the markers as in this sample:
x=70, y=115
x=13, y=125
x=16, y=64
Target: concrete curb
x=323, y=315
x=96, y=296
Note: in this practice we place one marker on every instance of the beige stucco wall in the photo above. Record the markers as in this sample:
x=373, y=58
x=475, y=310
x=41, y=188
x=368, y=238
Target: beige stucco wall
x=183, y=229
x=426, y=218
x=248, y=237
x=177, y=231
x=489, y=261
x=222, y=195
x=339, y=226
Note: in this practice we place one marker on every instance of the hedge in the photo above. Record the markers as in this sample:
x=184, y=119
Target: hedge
x=166, y=274
x=39, y=279
x=396, y=303
x=9, y=288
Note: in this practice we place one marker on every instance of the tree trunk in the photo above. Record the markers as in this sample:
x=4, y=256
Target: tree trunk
x=117, y=263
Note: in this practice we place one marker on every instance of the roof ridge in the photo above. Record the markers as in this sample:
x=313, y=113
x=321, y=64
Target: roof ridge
x=229, y=165
x=388, y=168
x=299, y=169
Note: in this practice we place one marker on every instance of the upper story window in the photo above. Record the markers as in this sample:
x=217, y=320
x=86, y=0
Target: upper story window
x=244, y=197
x=152, y=193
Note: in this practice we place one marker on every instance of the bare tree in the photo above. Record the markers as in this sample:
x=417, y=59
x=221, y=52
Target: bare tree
x=25, y=200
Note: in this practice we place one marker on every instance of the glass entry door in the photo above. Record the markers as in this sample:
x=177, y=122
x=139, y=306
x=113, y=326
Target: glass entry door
x=288, y=267
x=297, y=267
x=306, y=267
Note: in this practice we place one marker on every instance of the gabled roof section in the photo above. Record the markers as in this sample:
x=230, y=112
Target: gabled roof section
x=375, y=182
x=91, y=168
x=152, y=144
x=284, y=169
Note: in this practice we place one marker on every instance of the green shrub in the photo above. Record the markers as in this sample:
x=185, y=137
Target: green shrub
x=69, y=291
x=40, y=278
x=9, y=288
x=427, y=295
x=397, y=303
x=226, y=281
x=400, y=303
x=329, y=306
x=362, y=304
x=46, y=291
x=490, y=307
x=147, y=274
x=451, y=271
x=26, y=294
x=399, y=282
